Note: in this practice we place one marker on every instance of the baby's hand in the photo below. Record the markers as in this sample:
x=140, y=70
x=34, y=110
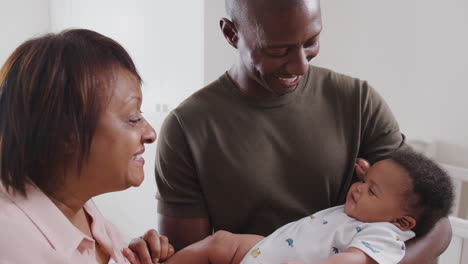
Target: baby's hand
x=149, y=249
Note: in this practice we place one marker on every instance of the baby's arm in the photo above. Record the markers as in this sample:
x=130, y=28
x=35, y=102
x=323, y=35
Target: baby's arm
x=349, y=256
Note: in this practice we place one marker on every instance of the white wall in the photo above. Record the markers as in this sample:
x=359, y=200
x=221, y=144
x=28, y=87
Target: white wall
x=165, y=39
x=21, y=20
x=219, y=55
x=413, y=52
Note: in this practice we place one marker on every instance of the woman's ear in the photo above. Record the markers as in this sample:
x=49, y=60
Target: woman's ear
x=405, y=222
x=70, y=145
x=229, y=31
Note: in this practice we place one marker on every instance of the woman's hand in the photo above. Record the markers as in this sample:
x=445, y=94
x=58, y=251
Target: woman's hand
x=361, y=167
x=149, y=249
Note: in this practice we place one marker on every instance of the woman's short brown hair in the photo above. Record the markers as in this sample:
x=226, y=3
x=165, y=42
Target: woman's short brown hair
x=52, y=91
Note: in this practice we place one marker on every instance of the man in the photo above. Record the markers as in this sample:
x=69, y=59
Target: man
x=274, y=139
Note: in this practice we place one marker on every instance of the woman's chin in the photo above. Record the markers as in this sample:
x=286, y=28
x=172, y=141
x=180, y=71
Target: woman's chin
x=136, y=180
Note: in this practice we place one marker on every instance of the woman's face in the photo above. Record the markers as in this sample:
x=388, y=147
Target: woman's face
x=115, y=161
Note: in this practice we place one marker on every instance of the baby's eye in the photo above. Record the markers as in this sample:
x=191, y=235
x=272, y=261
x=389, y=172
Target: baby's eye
x=362, y=180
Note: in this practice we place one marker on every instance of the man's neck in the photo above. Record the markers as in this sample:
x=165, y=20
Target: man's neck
x=247, y=85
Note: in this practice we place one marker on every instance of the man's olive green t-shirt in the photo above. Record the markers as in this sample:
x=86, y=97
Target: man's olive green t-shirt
x=251, y=165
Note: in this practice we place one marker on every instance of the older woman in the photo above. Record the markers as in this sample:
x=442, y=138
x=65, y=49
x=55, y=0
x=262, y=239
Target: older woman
x=70, y=129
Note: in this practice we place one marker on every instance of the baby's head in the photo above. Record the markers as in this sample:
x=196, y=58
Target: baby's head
x=407, y=190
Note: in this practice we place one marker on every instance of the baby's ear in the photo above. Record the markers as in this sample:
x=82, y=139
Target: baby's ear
x=405, y=222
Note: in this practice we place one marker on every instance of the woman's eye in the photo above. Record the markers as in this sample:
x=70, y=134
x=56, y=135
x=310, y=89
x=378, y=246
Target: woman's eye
x=362, y=181
x=134, y=120
x=371, y=192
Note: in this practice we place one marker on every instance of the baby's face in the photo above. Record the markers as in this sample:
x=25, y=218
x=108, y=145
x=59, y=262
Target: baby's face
x=379, y=196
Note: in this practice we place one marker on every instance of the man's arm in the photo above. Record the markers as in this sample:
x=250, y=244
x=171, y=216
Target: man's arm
x=425, y=249
x=179, y=194
x=184, y=231
x=381, y=136
x=349, y=256
x=380, y=132
x=182, y=210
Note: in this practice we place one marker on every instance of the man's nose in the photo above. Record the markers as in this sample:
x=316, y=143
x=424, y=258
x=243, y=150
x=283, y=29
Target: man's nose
x=298, y=62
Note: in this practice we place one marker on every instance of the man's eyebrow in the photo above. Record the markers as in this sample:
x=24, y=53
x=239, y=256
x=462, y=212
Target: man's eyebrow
x=289, y=45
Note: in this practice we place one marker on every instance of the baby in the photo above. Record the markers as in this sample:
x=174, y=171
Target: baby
x=397, y=198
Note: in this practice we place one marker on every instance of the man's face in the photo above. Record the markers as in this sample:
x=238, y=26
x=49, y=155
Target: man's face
x=275, y=49
x=380, y=195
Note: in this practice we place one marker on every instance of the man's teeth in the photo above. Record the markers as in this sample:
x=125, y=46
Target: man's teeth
x=288, y=79
x=136, y=157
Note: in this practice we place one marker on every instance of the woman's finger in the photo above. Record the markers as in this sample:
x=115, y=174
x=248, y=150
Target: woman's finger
x=152, y=239
x=140, y=249
x=130, y=256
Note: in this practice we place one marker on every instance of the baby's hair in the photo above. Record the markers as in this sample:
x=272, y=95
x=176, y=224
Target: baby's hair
x=432, y=195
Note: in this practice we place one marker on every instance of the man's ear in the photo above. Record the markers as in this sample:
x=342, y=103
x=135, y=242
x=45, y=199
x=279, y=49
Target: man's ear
x=229, y=31
x=405, y=222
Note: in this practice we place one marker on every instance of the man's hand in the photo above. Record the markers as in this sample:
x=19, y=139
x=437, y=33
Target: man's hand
x=361, y=166
x=148, y=249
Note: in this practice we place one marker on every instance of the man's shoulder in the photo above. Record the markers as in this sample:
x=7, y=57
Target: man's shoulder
x=336, y=79
x=333, y=84
x=214, y=97
x=204, y=95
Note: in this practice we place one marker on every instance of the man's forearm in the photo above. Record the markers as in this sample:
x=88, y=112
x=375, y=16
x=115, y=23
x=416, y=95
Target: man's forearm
x=350, y=256
x=183, y=232
x=425, y=249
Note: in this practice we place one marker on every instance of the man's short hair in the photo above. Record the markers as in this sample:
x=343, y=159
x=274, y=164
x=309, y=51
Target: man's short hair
x=432, y=195
x=239, y=10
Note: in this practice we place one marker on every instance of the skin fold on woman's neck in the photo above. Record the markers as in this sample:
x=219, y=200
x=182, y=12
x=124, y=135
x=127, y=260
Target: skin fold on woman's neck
x=71, y=206
x=70, y=197
x=70, y=203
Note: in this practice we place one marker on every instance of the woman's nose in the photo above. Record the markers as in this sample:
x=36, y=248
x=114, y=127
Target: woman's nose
x=149, y=134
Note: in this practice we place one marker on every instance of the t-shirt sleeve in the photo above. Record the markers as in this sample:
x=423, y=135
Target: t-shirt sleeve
x=179, y=192
x=382, y=242
x=380, y=134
